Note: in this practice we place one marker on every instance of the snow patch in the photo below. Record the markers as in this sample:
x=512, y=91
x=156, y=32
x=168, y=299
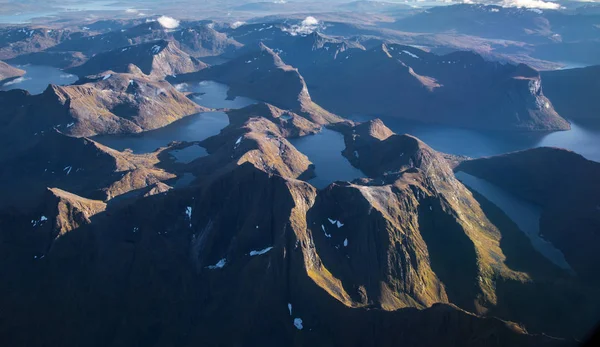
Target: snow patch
x=106, y=77
x=237, y=24
x=325, y=231
x=68, y=169
x=155, y=49
x=346, y=242
x=411, y=54
x=261, y=252
x=219, y=265
x=298, y=323
x=290, y=308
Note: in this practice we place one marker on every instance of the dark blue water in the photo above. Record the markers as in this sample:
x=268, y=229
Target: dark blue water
x=192, y=128
x=524, y=214
x=214, y=95
x=324, y=150
x=582, y=139
x=188, y=154
x=37, y=78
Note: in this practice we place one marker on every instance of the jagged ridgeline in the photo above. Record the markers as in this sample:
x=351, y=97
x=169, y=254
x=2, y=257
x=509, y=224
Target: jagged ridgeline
x=237, y=246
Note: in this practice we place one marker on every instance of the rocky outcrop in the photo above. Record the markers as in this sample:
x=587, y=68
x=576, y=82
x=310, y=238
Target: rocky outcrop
x=262, y=75
x=77, y=165
x=8, y=72
x=156, y=59
x=459, y=89
x=109, y=103
x=16, y=41
x=197, y=41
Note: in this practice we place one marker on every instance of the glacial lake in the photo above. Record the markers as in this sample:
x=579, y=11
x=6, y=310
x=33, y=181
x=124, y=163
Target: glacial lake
x=37, y=78
x=524, y=214
x=324, y=150
x=214, y=95
x=196, y=127
x=582, y=139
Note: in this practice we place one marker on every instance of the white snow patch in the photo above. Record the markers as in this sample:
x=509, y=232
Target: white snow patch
x=70, y=124
x=168, y=22
x=106, y=77
x=411, y=54
x=356, y=154
x=290, y=308
x=155, y=49
x=68, y=169
x=339, y=224
x=325, y=231
x=261, y=252
x=219, y=265
x=298, y=323
x=346, y=243
x=332, y=221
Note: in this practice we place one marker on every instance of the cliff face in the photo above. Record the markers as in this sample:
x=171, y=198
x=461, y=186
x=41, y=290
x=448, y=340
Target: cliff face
x=459, y=89
x=156, y=59
x=565, y=185
x=262, y=75
x=573, y=92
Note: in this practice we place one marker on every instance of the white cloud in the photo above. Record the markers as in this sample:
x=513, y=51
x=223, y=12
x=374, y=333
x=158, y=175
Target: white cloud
x=539, y=4
x=17, y=81
x=168, y=22
x=237, y=24
x=307, y=26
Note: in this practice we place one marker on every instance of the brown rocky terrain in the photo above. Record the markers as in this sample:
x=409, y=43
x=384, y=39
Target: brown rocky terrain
x=15, y=41
x=8, y=72
x=262, y=75
x=77, y=165
x=108, y=103
x=250, y=240
x=197, y=41
x=156, y=59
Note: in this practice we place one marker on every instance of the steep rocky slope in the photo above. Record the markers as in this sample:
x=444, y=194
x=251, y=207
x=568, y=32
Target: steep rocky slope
x=573, y=92
x=16, y=41
x=565, y=185
x=262, y=75
x=8, y=72
x=77, y=165
x=249, y=240
x=108, y=103
x=197, y=41
x=156, y=58
x=460, y=89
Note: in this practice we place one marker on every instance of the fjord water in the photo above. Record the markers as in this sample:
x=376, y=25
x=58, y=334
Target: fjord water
x=524, y=214
x=192, y=128
x=583, y=139
x=324, y=150
x=196, y=127
x=214, y=95
x=37, y=78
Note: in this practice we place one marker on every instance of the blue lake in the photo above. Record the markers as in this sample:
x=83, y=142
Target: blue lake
x=524, y=214
x=582, y=139
x=37, y=78
x=324, y=150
